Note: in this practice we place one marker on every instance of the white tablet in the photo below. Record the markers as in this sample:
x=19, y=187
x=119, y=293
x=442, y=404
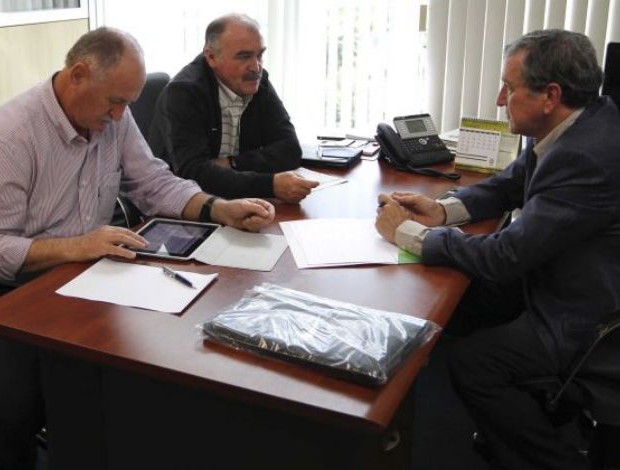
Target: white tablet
x=175, y=239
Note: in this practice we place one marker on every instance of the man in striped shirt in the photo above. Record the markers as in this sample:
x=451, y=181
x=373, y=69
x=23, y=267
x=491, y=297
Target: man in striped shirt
x=67, y=147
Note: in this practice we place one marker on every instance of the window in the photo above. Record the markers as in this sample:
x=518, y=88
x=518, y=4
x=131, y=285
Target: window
x=339, y=66
x=18, y=12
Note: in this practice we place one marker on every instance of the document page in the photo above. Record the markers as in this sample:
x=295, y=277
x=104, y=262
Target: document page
x=136, y=285
x=325, y=180
x=237, y=249
x=337, y=242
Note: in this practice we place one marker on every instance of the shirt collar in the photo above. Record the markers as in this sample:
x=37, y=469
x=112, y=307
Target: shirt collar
x=230, y=97
x=66, y=131
x=542, y=147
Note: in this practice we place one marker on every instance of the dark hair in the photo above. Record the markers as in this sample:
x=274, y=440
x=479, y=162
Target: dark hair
x=102, y=48
x=218, y=26
x=563, y=57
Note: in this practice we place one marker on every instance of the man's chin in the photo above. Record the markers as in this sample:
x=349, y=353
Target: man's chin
x=250, y=88
x=100, y=126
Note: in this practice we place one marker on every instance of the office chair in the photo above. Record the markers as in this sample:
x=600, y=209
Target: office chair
x=611, y=81
x=590, y=392
x=144, y=107
x=126, y=214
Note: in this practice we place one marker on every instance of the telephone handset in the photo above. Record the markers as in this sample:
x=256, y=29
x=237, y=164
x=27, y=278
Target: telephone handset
x=416, y=145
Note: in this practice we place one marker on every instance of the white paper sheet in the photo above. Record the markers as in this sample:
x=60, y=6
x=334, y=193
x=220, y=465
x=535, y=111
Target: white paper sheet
x=136, y=285
x=334, y=242
x=325, y=180
x=234, y=248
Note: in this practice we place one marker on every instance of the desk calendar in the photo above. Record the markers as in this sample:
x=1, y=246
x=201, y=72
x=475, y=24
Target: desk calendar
x=485, y=145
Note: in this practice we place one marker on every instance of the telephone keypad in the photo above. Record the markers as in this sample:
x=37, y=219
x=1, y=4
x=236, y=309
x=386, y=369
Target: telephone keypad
x=423, y=144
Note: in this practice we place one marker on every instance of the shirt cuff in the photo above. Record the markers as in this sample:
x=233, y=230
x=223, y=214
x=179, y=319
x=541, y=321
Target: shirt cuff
x=410, y=236
x=456, y=212
x=13, y=252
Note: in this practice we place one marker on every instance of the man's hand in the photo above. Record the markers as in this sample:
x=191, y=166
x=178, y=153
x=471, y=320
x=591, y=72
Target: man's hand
x=248, y=214
x=290, y=187
x=390, y=215
x=422, y=209
x=103, y=241
x=223, y=162
x=106, y=241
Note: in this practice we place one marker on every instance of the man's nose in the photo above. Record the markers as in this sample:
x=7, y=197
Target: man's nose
x=255, y=64
x=501, y=97
x=116, y=111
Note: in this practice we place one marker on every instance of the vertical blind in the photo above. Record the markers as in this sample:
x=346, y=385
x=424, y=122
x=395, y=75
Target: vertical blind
x=466, y=39
x=343, y=65
x=338, y=65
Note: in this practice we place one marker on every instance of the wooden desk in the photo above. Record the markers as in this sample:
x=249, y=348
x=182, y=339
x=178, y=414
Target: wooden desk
x=157, y=395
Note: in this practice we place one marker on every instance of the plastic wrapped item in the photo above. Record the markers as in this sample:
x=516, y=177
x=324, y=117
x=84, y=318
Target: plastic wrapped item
x=356, y=343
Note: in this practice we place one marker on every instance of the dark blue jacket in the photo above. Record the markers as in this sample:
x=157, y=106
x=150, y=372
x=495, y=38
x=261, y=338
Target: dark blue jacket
x=565, y=245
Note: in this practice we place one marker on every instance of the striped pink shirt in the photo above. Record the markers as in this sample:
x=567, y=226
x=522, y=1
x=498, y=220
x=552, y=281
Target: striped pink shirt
x=55, y=183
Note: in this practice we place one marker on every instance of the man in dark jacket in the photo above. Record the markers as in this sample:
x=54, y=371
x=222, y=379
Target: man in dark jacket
x=563, y=247
x=221, y=123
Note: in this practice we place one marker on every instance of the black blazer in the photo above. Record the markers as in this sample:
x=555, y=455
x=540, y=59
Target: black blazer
x=187, y=133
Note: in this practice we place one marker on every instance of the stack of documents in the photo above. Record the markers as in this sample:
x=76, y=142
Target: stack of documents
x=340, y=242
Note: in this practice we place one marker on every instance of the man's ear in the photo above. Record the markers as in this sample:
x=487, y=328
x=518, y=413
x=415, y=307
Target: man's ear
x=553, y=96
x=79, y=72
x=209, y=56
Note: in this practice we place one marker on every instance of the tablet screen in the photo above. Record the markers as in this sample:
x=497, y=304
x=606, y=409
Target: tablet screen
x=174, y=238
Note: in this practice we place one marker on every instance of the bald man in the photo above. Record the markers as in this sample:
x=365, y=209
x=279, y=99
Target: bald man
x=68, y=146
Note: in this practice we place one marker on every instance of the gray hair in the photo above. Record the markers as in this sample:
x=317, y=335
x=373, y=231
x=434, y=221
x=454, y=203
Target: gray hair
x=563, y=57
x=102, y=49
x=217, y=27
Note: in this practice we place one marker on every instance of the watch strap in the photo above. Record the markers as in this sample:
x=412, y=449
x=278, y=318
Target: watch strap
x=205, y=212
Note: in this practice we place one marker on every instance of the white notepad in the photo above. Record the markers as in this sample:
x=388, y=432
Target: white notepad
x=136, y=285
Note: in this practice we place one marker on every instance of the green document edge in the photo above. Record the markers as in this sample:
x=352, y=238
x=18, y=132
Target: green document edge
x=404, y=257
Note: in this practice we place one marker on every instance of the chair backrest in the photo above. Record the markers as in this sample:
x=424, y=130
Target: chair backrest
x=611, y=82
x=592, y=383
x=144, y=107
x=125, y=213
x=599, y=373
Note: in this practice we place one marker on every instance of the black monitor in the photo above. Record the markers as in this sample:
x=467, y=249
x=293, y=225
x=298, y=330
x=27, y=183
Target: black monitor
x=611, y=82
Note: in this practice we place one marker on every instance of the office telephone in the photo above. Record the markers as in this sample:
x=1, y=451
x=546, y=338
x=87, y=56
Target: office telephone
x=415, y=145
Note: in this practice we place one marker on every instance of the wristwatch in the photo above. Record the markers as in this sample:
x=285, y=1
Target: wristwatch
x=205, y=212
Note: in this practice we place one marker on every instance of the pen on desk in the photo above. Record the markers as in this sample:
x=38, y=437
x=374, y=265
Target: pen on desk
x=329, y=137
x=177, y=277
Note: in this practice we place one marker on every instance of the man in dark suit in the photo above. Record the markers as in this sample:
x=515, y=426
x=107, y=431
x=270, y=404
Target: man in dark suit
x=221, y=123
x=563, y=247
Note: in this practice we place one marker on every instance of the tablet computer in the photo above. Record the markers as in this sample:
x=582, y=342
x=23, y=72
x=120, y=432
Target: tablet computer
x=176, y=239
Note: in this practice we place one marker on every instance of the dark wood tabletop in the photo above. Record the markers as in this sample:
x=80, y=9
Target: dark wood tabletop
x=170, y=347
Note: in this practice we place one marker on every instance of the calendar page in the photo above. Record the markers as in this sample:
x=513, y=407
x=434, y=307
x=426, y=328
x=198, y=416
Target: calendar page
x=479, y=145
x=485, y=145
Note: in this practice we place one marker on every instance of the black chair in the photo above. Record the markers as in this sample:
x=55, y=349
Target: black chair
x=126, y=214
x=143, y=108
x=611, y=81
x=589, y=393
